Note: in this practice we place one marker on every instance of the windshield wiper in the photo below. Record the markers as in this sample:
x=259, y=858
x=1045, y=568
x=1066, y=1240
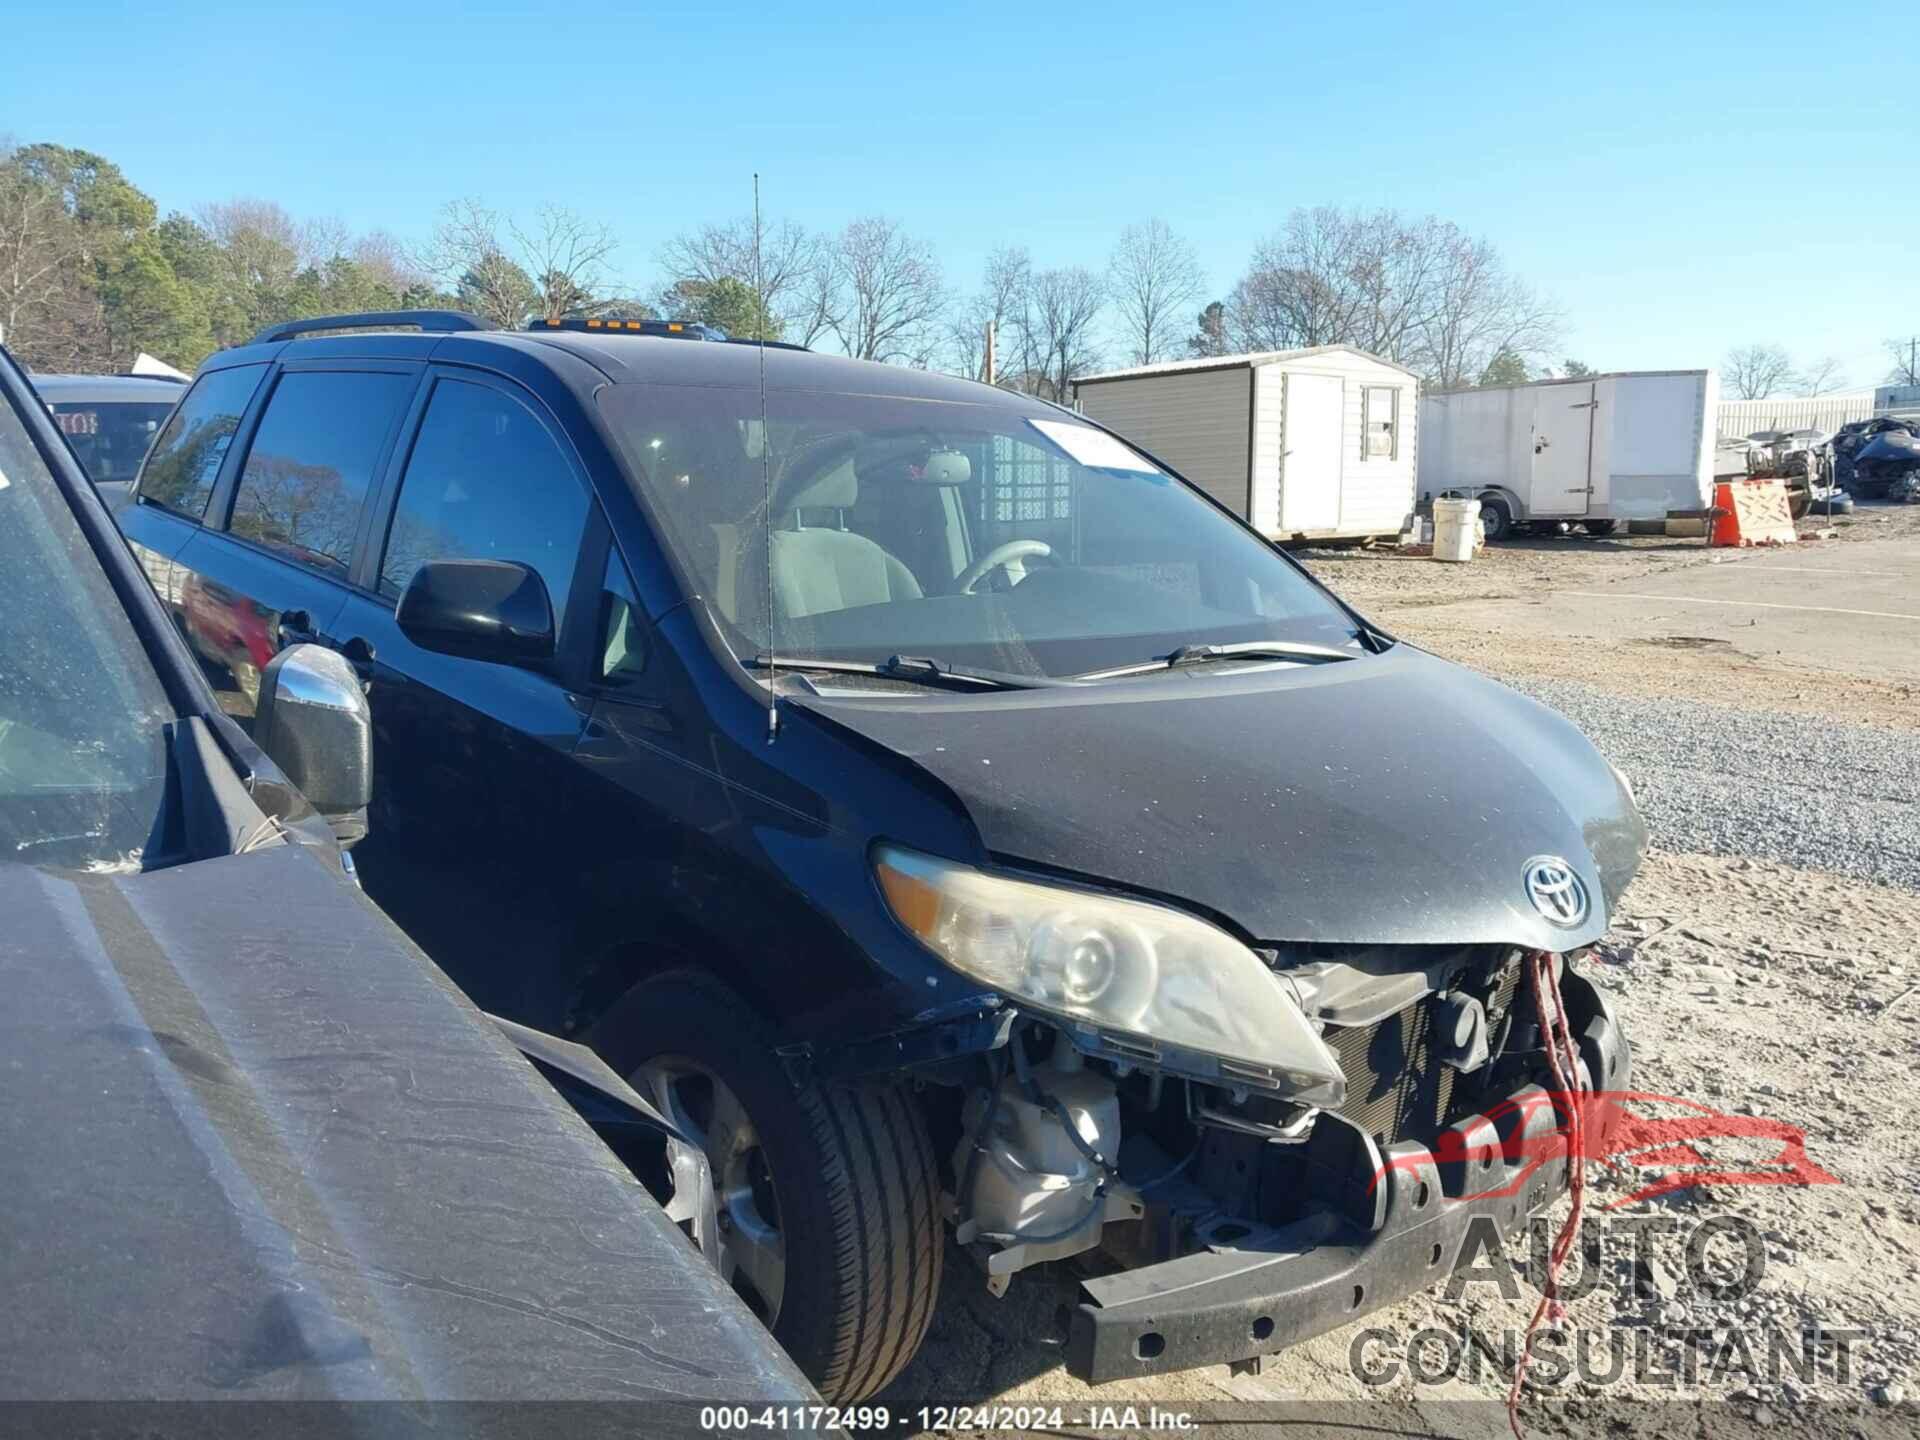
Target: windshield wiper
x=1202, y=654
x=914, y=669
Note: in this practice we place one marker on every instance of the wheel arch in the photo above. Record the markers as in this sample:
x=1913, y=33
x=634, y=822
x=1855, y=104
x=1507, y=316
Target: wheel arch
x=1507, y=498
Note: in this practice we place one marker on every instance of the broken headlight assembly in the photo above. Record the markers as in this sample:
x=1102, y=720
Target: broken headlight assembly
x=1123, y=967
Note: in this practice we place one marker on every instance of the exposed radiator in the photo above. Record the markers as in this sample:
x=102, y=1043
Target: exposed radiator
x=1396, y=1087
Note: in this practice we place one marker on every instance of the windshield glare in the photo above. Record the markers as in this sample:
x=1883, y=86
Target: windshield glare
x=973, y=534
x=82, y=754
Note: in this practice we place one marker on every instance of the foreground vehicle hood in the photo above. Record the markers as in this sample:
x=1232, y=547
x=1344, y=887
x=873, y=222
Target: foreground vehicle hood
x=254, y=1145
x=1395, y=799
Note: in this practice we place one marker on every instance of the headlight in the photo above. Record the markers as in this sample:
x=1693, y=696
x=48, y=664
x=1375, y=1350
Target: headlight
x=1625, y=783
x=1121, y=965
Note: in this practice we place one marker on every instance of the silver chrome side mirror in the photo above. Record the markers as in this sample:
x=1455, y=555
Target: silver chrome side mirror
x=314, y=723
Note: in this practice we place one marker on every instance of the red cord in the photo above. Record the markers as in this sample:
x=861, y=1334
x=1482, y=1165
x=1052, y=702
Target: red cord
x=1564, y=1059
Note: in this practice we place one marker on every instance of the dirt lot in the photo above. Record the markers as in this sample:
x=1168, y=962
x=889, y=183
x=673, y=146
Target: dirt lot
x=1783, y=991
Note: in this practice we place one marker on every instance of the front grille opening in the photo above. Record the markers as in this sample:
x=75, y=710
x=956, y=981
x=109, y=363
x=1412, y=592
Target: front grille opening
x=1397, y=1089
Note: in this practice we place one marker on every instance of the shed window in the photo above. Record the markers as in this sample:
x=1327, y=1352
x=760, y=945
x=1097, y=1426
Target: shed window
x=1380, y=422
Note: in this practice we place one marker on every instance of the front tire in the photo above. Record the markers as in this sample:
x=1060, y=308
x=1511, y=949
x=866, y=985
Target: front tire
x=831, y=1188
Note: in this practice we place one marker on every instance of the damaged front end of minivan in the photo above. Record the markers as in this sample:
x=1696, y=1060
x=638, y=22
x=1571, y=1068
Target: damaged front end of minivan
x=1263, y=1074
x=1240, y=1147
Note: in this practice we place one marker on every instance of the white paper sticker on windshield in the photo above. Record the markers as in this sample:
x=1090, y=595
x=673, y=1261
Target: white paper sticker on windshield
x=1095, y=449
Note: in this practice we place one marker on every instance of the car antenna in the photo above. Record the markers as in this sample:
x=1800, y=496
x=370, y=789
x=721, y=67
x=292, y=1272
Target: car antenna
x=766, y=469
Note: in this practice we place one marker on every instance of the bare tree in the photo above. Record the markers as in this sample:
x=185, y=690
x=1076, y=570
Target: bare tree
x=503, y=269
x=1477, y=310
x=1003, y=304
x=468, y=254
x=1753, y=372
x=323, y=239
x=1152, y=278
x=1906, y=362
x=886, y=297
x=42, y=305
x=264, y=247
x=388, y=262
x=1821, y=377
x=567, y=255
x=1064, y=309
x=791, y=272
x=1418, y=291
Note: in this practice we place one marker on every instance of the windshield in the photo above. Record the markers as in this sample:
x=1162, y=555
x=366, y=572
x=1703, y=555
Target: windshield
x=976, y=535
x=82, y=757
x=110, y=436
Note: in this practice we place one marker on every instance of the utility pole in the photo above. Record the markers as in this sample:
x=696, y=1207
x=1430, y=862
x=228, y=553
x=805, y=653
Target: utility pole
x=991, y=367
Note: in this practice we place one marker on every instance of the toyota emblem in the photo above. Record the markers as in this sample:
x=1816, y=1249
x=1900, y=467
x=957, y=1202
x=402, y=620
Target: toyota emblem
x=1556, y=892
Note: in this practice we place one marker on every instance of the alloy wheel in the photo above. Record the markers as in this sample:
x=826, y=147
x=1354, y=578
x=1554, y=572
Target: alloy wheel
x=723, y=1196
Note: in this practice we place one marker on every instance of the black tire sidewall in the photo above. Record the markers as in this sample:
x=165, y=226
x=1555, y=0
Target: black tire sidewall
x=689, y=1015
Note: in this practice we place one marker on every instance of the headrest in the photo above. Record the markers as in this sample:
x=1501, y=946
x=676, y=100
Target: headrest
x=818, y=475
x=834, y=488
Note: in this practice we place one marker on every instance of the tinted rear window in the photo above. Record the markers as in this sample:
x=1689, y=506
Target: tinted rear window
x=312, y=463
x=110, y=436
x=186, y=458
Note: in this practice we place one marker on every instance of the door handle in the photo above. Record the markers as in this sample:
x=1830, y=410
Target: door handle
x=296, y=628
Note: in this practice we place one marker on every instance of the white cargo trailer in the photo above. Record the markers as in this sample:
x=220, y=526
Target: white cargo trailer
x=1594, y=451
x=1304, y=444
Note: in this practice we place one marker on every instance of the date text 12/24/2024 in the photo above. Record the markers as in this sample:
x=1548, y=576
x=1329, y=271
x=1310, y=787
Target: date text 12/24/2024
x=942, y=1419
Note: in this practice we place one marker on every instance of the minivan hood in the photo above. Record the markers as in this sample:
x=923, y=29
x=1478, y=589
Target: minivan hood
x=1393, y=799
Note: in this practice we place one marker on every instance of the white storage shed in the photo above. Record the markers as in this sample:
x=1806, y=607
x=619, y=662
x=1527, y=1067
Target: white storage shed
x=1304, y=444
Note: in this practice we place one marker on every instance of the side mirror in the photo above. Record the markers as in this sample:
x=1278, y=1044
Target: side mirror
x=314, y=723
x=494, y=610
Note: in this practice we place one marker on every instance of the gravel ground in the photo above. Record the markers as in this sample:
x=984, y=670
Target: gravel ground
x=1711, y=778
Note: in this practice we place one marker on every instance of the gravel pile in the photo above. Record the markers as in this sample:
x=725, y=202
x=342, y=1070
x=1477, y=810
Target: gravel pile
x=1722, y=781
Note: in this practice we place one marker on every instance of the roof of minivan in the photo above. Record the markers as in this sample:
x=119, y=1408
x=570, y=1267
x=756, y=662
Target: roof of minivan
x=97, y=388
x=657, y=360
x=592, y=358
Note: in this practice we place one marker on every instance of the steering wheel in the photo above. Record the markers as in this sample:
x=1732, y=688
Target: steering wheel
x=999, y=556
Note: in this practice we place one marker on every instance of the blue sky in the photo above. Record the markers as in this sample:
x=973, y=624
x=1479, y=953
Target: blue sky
x=1681, y=178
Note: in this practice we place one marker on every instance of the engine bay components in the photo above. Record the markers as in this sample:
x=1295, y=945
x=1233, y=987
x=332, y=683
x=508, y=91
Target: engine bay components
x=1038, y=1164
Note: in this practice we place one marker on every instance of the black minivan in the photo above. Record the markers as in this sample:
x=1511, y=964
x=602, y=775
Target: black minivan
x=948, y=813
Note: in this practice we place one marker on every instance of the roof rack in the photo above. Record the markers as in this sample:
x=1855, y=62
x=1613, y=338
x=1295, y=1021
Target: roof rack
x=437, y=321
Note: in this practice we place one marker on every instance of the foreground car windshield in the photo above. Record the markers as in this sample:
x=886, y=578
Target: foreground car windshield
x=82, y=759
x=975, y=535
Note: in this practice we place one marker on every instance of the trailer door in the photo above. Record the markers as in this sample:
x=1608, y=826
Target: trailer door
x=1562, y=450
x=1310, y=465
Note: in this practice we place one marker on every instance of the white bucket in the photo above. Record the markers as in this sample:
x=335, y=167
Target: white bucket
x=1453, y=528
